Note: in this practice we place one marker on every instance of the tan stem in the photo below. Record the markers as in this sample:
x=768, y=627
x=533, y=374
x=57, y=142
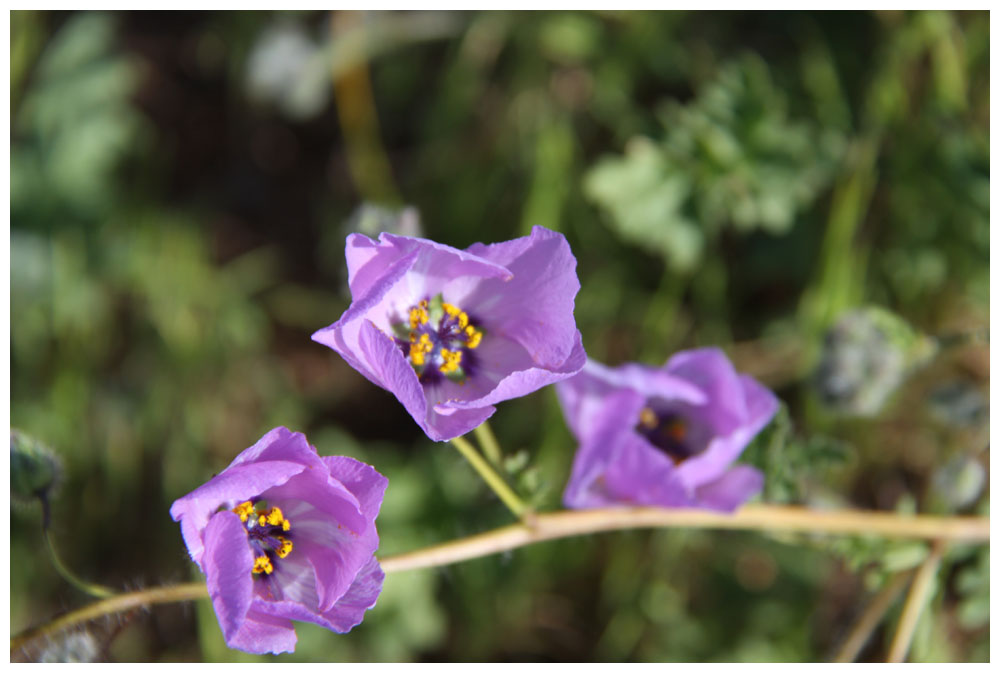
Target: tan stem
x=916, y=600
x=119, y=603
x=556, y=525
x=871, y=618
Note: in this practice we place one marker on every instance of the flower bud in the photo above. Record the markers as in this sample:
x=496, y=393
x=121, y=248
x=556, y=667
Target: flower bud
x=866, y=356
x=959, y=482
x=34, y=468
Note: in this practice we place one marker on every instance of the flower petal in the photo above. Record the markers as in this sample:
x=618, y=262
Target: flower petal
x=346, y=613
x=230, y=487
x=344, y=335
x=350, y=609
x=367, y=485
x=586, y=487
x=640, y=474
x=228, y=562
x=318, y=490
x=760, y=406
x=522, y=382
x=335, y=552
x=535, y=307
x=719, y=413
x=581, y=395
x=391, y=367
x=710, y=370
x=279, y=444
x=732, y=489
x=261, y=633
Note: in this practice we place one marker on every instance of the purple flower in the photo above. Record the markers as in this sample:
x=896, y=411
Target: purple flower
x=664, y=436
x=284, y=534
x=452, y=332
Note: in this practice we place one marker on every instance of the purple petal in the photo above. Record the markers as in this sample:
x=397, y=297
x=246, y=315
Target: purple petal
x=391, y=367
x=587, y=484
x=346, y=613
x=760, y=405
x=640, y=474
x=367, y=485
x=526, y=381
x=261, y=633
x=732, y=489
x=293, y=580
x=228, y=563
x=321, y=493
x=535, y=307
x=336, y=552
x=581, y=395
x=433, y=268
x=401, y=379
x=229, y=488
x=344, y=336
x=280, y=444
x=350, y=609
x=710, y=370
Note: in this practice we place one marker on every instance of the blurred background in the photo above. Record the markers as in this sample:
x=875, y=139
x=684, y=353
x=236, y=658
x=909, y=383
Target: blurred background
x=809, y=191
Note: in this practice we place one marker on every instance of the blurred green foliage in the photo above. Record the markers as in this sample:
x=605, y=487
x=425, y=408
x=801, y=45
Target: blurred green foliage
x=181, y=185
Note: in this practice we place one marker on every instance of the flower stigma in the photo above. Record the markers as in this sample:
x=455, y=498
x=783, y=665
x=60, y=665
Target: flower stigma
x=437, y=339
x=264, y=527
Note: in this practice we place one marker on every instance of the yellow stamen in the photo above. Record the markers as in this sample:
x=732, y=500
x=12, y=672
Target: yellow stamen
x=648, y=419
x=243, y=510
x=285, y=525
x=419, y=316
x=457, y=313
x=285, y=549
x=475, y=336
x=418, y=349
x=262, y=564
x=275, y=517
x=452, y=359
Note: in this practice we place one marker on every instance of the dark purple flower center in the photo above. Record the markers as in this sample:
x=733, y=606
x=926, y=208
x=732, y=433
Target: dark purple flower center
x=669, y=432
x=267, y=533
x=438, y=340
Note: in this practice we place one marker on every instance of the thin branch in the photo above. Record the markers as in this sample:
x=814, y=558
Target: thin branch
x=916, y=600
x=557, y=525
x=871, y=618
x=493, y=480
x=488, y=442
x=119, y=603
x=95, y=590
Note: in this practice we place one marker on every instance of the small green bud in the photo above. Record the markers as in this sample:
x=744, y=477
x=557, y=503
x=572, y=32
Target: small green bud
x=867, y=354
x=34, y=468
x=959, y=482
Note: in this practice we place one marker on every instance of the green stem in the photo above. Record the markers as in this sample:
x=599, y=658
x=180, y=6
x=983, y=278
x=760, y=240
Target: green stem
x=499, y=486
x=86, y=587
x=488, y=441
